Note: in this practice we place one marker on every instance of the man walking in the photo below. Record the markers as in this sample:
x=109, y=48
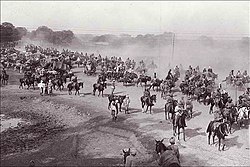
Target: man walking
x=174, y=147
x=126, y=104
x=41, y=85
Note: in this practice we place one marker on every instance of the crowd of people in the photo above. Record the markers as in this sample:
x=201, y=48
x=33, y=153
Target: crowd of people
x=49, y=69
x=238, y=79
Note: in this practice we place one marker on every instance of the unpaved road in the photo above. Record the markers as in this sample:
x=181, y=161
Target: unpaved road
x=90, y=138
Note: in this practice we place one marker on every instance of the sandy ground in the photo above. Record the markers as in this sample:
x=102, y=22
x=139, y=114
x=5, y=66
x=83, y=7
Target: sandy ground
x=81, y=132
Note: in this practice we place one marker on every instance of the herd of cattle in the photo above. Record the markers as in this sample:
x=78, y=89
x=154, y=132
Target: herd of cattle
x=53, y=68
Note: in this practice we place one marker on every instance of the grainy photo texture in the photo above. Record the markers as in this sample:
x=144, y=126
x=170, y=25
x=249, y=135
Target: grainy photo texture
x=123, y=83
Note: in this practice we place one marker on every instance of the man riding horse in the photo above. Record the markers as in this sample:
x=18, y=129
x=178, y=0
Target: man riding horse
x=178, y=112
x=146, y=94
x=170, y=75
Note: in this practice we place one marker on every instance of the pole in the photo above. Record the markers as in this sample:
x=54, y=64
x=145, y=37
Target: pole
x=173, y=40
x=236, y=95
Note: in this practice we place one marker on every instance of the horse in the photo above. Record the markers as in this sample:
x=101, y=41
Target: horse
x=229, y=80
x=148, y=101
x=189, y=108
x=125, y=154
x=243, y=114
x=179, y=123
x=126, y=81
x=120, y=99
x=4, y=79
x=76, y=86
x=184, y=87
x=156, y=83
x=98, y=86
x=129, y=77
x=67, y=75
x=22, y=82
x=59, y=83
x=168, y=158
x=143, y=79
x=165, y=88
x=27, y=81
x=202, y=94
x=230, y=115
x=70, y=87
x=219, y=129
x=169, y=109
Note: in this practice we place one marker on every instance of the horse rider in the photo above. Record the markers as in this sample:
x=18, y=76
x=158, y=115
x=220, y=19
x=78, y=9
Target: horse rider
x=229, y=104
x=74, y=79
x=174, y=147
x=153, y=81
x=245, y=102
x=170, y=75
x=130, y=160
x=50, y=86
x=238, y=75
x=113, y=87
x=99, y=79
x=218, y=93
x=154, y=74
x=176, y=69
x=245, y=73
x=4, y=71
x=189, y=106
x=146, y=93
x=204, y=70
x=218, y=115
x=78, y=61
x=168, y=158
x=190, y=68
x=170, y=102
x=178, y=112
x=228, y=107
x=247, y=92
x=209, y=69
x=197, y=68
x=240, y=101
x=170, y=98
x=182, y=102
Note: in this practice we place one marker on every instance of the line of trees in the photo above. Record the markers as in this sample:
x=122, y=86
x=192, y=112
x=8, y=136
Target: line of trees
x=10, y=33
x=63, y=38
x=125, y=39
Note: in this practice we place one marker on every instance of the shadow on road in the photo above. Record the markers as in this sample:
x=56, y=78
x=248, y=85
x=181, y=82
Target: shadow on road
x=232, y=142
x=196, y=114
x=190, y=133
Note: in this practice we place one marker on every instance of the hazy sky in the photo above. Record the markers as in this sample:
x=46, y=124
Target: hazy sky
x=140, y=17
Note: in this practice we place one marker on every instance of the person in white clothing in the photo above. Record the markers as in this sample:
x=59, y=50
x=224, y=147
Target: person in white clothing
x=41, y=85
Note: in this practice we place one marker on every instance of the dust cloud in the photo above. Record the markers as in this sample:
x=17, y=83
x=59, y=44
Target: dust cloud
x=221, y=55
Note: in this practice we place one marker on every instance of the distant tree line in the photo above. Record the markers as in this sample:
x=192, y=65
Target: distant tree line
x=10, y=33
x=151, y=40
x=63, y=38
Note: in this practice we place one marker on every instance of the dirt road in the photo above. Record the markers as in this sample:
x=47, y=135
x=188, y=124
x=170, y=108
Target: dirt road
x=91, y=138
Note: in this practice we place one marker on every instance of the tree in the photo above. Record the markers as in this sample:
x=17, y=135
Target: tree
x=9, y=33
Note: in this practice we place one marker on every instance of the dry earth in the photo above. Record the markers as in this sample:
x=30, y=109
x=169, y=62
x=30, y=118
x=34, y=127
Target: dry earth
x=69, y=130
